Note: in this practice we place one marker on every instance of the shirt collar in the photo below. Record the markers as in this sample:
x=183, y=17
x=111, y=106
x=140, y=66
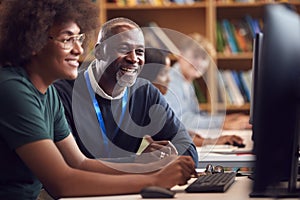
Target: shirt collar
x=94, y=69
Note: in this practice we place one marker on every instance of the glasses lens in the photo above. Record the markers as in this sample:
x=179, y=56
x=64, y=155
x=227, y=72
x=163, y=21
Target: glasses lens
x=209, y=169
x=219, y=169
x=69, y=43
x=81, y=38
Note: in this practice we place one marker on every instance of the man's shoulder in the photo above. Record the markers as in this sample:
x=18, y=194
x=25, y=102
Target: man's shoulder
x=141, y=82
x=145, y=88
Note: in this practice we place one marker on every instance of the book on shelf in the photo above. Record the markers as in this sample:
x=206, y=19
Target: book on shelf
x=237, y=85
x=246, y=78
x=155, y=2
x=121, y=3
x=243, y=35
x=253, y=24
x=240, y=85
x=237, y=97
x=222, y=45
x=236, y=35
x=224, y=94
x=246, y=87
x=199, y=91
x=124, y=3
x=179, y=1
x=229, y=36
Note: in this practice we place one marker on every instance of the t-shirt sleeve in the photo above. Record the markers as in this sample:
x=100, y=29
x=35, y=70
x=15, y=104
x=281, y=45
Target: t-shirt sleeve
x=27, y=116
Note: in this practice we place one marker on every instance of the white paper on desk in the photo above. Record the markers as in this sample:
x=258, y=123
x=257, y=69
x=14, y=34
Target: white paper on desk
x=223, y=149
x=214, y=133
x=218, y=148
x=246, y=135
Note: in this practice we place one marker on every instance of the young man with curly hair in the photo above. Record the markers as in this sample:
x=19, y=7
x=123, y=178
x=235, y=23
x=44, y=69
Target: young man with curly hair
x=41, y=41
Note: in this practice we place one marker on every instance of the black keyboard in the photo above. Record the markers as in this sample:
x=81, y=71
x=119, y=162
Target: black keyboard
x=218, y=182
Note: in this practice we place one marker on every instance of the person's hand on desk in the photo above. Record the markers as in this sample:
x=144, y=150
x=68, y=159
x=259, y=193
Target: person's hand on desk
x=156, y=150
x=236, y=122
x=176, y=171
x=163, y=146
x=229, y=139
x=223, y=139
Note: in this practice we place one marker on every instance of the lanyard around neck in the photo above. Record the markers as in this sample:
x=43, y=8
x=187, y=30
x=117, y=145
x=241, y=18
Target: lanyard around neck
x=99, y=114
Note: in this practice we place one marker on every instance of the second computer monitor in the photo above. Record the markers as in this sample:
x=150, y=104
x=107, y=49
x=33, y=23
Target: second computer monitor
x=276, y=117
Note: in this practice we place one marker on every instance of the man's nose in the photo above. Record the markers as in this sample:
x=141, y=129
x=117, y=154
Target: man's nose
x=132, y=56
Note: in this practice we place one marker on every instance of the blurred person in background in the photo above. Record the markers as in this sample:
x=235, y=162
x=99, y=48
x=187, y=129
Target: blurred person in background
x=194, y=60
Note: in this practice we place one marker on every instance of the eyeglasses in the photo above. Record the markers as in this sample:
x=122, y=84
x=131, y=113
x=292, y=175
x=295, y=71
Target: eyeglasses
x=210, y=169
x=68, y=43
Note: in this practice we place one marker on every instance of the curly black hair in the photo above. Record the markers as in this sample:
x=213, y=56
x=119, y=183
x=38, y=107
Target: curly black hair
x=24, y=25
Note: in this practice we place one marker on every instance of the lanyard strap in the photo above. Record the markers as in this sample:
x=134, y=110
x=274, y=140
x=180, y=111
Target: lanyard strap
x=99, y=114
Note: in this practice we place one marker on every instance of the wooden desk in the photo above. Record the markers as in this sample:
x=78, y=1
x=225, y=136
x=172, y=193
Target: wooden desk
x=238, y=191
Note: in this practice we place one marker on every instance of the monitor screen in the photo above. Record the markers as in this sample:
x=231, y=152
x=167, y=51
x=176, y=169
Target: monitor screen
x=276, y=117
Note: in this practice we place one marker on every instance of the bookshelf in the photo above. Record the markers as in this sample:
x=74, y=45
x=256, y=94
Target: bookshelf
x=197, y=16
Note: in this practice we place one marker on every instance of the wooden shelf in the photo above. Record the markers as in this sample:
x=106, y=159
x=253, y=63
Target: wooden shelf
x=231, y=108
x=240, y=61
x=113, y=6
x=241, y=5
x=198, y=17
x=238, y=56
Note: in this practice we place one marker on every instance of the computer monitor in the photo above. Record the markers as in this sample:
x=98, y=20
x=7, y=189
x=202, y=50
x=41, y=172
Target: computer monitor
x=256, y=58
x=276, y=117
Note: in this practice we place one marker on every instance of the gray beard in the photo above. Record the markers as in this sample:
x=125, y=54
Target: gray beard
x=123, y=81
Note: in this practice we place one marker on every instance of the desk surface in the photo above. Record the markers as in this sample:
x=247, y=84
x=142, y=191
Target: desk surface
x=238, y=191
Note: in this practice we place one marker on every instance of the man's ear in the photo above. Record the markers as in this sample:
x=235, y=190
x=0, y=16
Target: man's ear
x=99, y=52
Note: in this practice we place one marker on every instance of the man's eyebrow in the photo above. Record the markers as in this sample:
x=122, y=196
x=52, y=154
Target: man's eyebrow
x=141, y=46
x=129, y=44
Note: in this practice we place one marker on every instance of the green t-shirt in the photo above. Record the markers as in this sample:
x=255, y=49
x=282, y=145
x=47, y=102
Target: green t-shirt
x=26, y=115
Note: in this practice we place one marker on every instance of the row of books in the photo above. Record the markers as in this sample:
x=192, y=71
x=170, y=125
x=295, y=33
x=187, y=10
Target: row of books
x=237, y=85
x=150, y=2
x=247, y=1
x=236, y=35
x=165, y=2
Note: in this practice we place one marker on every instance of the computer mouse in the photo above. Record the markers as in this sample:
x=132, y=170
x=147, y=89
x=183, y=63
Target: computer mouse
x=157, y=192
x=237, y=144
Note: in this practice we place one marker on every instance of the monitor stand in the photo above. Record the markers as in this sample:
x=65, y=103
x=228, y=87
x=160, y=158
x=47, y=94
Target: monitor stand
x=282, y=190
x=276, y=193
